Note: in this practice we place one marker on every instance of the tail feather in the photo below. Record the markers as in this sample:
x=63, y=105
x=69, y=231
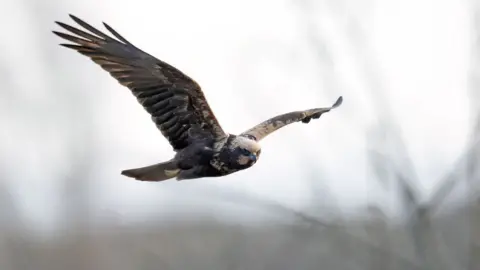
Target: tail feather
x=156, y=172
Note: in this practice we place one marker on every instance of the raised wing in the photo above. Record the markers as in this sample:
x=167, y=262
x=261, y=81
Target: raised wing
x=267, y=127
x=175, y=102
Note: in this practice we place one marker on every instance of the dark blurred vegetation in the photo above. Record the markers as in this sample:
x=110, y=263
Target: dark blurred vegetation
x=370, y=243
x=426, y=238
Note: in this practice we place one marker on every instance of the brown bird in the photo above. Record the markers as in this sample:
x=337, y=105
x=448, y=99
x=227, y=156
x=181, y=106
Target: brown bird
x=178, y=108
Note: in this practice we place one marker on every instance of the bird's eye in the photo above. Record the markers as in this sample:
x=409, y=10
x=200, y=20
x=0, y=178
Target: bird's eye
x=245, y=152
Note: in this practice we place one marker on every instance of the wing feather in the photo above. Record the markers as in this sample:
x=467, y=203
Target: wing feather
x=175, y=102
x=267, y=127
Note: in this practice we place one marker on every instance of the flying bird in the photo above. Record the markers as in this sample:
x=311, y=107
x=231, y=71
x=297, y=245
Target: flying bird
x=178, y=108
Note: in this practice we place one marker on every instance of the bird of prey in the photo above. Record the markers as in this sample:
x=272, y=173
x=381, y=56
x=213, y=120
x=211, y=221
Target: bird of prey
x=178, y=108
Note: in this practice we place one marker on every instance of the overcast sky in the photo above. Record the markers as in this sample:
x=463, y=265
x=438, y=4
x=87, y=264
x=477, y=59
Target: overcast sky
x=254, y=61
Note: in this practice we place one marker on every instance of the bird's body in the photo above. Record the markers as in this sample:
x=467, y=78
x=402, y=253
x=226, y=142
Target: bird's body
x=215, y=158
x=179, y=109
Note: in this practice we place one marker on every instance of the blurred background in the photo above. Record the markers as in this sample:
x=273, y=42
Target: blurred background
x=387, y=181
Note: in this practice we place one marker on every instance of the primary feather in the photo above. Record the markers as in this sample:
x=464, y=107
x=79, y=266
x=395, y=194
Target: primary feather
x=175, y=102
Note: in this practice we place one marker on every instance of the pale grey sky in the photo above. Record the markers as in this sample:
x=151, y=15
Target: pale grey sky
x=256, y=51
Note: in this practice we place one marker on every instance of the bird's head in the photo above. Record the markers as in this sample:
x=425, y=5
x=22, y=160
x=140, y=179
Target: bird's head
x=245, y=151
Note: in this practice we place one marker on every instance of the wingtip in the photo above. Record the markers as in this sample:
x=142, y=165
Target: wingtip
x=109, y=28
x=76, y=19
x=72, y=16
x=338, y=102
x=129, y=173
x=64, y=24
x=59, y=34
x=61, y=24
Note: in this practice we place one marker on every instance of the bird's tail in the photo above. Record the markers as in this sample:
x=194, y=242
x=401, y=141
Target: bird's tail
x=156, y=172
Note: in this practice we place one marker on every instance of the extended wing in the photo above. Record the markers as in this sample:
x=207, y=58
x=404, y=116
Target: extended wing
x=267, y=127
x=175, y=102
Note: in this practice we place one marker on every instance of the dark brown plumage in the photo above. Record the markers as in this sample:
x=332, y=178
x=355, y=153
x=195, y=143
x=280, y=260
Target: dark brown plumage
x=174, y=100
x=179, y=109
